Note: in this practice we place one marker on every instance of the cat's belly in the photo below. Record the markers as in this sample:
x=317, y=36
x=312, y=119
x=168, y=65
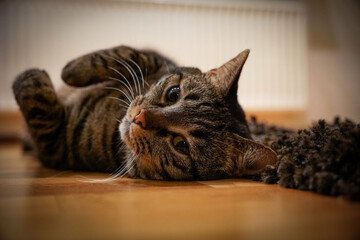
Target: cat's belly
x=92, y=131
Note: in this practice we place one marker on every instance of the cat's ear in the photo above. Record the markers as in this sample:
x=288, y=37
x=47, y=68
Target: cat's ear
x=252, y=157
x=228, y=74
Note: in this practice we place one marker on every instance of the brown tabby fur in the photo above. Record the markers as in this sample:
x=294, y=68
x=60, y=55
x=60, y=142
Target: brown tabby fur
x=93, y=126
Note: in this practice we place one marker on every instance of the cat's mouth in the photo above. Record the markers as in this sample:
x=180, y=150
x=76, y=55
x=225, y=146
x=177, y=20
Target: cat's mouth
x=137, y=141
x=128, y=122
x=134, y=135
x=125, y=131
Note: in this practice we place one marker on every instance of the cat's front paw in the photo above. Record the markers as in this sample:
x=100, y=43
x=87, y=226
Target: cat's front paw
x=28, y=82
x=86, y=70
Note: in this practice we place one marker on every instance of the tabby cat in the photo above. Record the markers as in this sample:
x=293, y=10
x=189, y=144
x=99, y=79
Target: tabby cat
x=137, y=113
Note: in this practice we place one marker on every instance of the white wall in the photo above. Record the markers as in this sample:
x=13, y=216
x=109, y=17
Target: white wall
x=334, y=59
x=205, y=34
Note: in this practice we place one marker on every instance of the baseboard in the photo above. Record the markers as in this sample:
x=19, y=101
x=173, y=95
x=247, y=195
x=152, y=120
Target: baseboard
x=295, y=119
x=12, y=123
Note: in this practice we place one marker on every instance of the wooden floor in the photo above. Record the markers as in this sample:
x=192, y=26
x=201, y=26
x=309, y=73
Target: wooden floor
x=39, y=203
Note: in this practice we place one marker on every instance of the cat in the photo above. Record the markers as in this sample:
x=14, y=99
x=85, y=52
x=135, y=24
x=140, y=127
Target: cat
x=136, y=113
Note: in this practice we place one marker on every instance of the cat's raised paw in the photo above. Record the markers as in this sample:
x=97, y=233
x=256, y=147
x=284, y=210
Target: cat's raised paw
x=30, y=81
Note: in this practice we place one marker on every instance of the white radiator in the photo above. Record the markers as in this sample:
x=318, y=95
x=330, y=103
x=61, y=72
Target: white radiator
x=47, y=34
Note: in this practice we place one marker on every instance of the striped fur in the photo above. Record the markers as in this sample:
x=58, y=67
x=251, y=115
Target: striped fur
x=92, y=125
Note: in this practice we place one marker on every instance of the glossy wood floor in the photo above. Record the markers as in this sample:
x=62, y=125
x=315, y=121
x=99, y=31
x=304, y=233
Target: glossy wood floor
x=39, y=203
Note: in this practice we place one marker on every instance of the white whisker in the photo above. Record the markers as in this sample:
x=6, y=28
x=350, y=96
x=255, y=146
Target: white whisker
x=127, y=81
x=124, y=84
x=126, y=65
x=126, y=107
x=142, y=76
x=117, y=89
x=120, y=172
x=134, y=74
x=119, y=99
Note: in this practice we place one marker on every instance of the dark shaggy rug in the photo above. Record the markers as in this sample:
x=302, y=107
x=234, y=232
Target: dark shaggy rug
x=324, y=158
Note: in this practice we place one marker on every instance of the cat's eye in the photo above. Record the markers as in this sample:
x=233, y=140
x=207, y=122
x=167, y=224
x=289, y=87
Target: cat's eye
x=180, y=144
x=173, y=94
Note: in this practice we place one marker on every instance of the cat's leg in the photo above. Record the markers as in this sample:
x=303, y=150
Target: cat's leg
x=44, y=115
x=112, y=63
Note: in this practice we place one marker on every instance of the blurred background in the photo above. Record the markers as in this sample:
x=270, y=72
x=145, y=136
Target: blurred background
x=303, y=65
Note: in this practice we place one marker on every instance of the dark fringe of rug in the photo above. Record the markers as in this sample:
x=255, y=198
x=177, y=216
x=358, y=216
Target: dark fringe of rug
x=324, y=158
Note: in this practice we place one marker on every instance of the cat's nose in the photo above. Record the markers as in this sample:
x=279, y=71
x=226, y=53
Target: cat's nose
x=140, y=118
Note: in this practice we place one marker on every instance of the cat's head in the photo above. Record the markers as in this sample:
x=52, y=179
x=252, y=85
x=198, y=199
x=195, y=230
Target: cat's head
x=189, y=125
